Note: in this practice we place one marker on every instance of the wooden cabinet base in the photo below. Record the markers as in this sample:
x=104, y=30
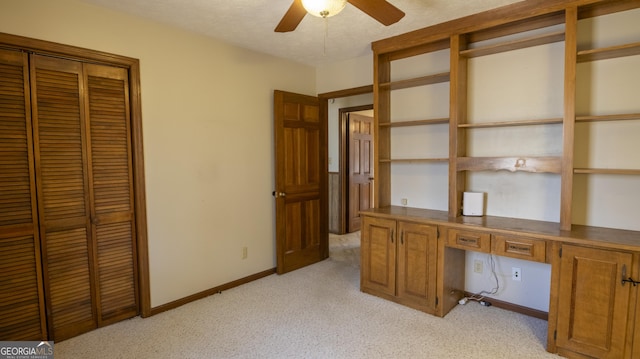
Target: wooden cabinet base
x=593, y=298
x=407, y=303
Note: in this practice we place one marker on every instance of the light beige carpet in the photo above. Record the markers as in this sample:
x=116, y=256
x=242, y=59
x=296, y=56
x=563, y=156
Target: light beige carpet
x=345, y=248
x=314, y=312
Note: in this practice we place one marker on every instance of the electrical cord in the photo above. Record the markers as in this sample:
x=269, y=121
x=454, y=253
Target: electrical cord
x=479, y=297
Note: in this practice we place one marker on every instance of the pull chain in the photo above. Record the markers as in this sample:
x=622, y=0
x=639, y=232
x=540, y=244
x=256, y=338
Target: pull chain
x=326, y=34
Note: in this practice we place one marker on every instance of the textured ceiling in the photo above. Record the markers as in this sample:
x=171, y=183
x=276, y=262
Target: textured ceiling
x=250, y=24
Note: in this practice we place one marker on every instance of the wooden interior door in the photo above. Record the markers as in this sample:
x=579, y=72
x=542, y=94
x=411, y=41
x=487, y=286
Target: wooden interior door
x=22, y=312
x=301, y=174
x=360, y=169
x=593, y=302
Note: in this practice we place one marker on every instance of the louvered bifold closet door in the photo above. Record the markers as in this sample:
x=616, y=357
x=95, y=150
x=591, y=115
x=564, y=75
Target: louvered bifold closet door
x=63, y=196
x=22, y=315
x=111, y=183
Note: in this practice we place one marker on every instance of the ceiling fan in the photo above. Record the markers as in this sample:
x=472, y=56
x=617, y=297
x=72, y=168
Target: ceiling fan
x=380, y=10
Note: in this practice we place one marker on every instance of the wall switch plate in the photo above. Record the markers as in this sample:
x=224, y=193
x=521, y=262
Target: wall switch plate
x=478, y=266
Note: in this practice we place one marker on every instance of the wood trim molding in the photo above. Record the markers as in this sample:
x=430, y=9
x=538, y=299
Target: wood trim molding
x=514, y=307
x=65, y=51
x=323, y=99
x=346, y=92
x=487, y=19
x=212, y=291
x=139, y=190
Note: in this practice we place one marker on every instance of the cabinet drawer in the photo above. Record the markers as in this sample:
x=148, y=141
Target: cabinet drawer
x=519, y=247
x=471, y=240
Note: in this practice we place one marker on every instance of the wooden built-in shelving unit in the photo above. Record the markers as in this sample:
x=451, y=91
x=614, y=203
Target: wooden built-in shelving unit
x=484, y=36
x=577, y=253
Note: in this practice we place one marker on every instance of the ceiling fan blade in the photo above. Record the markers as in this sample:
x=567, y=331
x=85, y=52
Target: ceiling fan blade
x=292, y=18
x=380, y=10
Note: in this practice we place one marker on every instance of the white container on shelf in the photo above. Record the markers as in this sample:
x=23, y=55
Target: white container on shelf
x=473, y=204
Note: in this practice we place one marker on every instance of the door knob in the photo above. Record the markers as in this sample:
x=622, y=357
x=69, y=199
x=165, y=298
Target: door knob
x=278, y=194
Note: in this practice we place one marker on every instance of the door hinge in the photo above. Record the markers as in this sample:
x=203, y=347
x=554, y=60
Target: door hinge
x=437, y=233
x=437, y=301
x=555, y=334
x=560, y=252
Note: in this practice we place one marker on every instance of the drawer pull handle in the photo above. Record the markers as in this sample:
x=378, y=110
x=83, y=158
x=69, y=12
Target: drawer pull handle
x=468, y=240
x=628, y=279
x=517, y=248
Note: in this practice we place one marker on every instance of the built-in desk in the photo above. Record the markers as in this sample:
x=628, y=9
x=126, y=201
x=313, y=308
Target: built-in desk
x=416, y=257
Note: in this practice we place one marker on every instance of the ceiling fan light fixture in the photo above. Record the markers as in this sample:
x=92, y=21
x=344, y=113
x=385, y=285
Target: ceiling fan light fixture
x=324, y=8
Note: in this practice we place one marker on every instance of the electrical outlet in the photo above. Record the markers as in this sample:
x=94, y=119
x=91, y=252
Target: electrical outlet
x=516, y=274
x=477, y=266
x=245, y=252
x=404, y=201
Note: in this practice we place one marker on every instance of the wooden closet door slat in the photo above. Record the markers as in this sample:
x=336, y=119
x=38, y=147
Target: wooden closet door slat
x=22, y=314
x=111, y=182
x=63, y=197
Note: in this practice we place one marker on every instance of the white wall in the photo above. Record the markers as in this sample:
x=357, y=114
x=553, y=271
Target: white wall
x=423, y=185
x=345, y=74
x=207, y=111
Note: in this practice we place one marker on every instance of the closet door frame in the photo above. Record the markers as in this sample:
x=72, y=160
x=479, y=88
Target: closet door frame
x=42, y=47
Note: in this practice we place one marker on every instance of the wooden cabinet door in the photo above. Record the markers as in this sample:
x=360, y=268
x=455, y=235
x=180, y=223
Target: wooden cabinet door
x=22, y=315
x=378, y=255
x=416, y=271
x=593, y=304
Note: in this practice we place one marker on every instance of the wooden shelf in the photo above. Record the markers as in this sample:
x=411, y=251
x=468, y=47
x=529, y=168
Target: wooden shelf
x=547, y=164
x=435, y=121
x=415, y=82
x=609, y=52
x=548, y=121
x=414, y=160
x=606, y=171
x=514, y=44
x=512, y=123
x=620, y=117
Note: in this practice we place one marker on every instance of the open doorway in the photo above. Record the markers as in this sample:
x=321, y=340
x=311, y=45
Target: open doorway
x=337, y=107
